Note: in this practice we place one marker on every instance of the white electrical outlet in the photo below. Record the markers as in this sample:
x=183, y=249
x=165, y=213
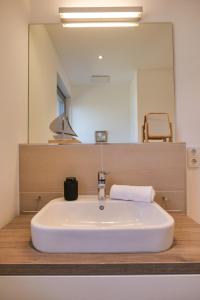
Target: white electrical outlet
x=193, y=157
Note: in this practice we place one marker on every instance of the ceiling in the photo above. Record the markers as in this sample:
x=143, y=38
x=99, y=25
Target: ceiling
x=149, y=46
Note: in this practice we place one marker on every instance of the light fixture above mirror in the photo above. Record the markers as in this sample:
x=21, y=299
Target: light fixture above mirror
x=100, y=16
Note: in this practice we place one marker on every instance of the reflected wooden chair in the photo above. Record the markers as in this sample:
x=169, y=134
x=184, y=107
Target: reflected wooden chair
x=157, y=127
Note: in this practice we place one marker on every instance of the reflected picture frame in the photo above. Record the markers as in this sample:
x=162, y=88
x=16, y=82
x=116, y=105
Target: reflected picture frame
x=101, y=136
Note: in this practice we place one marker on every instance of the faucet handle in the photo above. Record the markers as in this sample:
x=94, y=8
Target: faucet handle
x=102, y=175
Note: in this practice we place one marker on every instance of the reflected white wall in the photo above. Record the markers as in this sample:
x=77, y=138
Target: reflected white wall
x=44, y=64
x=101, y=107
x=134, y=138
x=155, y=94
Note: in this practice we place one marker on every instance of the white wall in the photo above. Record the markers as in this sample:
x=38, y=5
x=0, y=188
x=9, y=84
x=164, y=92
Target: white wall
x=155, y=94
x=101, y=107
x=165, y=287
x=13, y=98
x=185, y=17
x=44, y=64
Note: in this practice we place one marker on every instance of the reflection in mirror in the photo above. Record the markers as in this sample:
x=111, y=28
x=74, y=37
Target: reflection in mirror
x=157, y=126
x=104, y=79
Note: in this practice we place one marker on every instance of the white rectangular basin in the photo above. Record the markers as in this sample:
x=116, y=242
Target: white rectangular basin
x=122, y=226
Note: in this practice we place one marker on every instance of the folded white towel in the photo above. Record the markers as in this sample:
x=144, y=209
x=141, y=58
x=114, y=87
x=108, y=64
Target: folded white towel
x=134, y=193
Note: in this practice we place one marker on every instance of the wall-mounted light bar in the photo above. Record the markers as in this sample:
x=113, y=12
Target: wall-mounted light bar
x=100, y=24
x=100, y=16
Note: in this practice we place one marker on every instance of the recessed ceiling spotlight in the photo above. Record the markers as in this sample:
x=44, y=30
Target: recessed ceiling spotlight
x=100, y=57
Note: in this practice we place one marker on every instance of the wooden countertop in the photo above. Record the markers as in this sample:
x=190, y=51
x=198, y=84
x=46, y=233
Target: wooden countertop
x=18, y=257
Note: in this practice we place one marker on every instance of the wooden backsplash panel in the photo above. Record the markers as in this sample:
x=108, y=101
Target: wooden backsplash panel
x=161, y=165
x=43, y=168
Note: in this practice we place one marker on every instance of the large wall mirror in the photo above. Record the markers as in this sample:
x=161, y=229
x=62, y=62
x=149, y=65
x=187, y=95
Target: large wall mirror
x=103, y=78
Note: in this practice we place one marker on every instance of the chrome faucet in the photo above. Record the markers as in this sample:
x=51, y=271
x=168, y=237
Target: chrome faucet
x=102, y=185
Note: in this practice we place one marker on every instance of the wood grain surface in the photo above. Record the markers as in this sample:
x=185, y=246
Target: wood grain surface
x=18, y=257
x=43, y=169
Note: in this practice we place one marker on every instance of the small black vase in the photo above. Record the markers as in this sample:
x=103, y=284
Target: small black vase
x=70, y=189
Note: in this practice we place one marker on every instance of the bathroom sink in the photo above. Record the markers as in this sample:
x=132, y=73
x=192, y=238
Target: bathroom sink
x=81, y=226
